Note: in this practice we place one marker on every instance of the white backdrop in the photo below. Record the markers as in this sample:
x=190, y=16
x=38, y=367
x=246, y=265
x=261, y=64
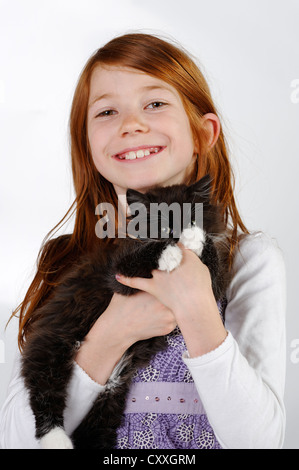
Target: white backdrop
x=250, y=55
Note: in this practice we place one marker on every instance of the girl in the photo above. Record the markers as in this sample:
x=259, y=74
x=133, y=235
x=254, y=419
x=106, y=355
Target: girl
x=142, y=115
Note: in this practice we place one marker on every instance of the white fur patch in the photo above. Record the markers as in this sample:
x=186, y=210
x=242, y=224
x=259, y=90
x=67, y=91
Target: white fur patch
x=193, y=238
x=115, y=379
x=170, y=258
x=56, y=439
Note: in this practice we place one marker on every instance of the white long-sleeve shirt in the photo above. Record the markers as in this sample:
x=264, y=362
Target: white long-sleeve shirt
x=240, y=384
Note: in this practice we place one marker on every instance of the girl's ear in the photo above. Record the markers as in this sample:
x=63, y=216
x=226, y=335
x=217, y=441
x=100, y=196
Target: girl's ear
x=211, y=124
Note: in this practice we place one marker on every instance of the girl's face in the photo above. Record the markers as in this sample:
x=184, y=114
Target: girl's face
x=138, y=130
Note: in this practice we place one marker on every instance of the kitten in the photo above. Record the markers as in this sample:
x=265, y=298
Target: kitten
x=85, y=292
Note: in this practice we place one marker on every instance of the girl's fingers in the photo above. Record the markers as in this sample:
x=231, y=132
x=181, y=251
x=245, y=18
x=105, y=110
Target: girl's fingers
x=134, y=282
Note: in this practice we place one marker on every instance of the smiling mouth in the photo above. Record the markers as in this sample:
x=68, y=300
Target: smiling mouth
x=140, y=154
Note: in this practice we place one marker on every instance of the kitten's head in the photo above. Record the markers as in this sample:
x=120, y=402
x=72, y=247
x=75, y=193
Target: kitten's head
x=164, y=212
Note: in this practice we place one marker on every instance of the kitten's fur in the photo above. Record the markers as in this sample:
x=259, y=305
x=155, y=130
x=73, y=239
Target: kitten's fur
x=83, y=295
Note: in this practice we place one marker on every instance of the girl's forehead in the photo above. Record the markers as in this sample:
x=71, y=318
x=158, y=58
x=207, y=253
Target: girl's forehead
x=105, y=69
x=110, y=75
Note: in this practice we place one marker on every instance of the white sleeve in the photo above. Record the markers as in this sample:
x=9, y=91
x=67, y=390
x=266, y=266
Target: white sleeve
x=17, y=424
x=241, y=383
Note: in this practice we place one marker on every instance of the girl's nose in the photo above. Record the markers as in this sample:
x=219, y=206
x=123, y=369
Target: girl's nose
x=133, y=123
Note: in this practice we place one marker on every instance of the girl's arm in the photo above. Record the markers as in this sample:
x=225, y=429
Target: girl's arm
x=241, y=383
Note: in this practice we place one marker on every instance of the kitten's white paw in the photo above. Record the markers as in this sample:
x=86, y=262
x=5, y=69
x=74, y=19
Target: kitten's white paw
x=193, y=238
x=56, y=439
x=170, y=258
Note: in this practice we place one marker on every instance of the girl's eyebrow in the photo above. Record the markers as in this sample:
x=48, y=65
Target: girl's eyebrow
x=101, y=97
x=144, y=88
x=157, y=87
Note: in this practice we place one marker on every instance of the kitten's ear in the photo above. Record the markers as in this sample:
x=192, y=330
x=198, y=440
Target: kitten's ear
x=135, y=196
x=202, y=188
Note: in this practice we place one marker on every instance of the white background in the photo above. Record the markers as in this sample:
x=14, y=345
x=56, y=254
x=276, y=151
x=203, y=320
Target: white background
x=249, y=50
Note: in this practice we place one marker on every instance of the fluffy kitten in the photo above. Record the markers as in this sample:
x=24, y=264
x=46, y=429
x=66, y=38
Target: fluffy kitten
x=83, y=295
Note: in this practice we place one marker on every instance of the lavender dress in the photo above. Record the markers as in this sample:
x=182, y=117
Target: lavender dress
x=164, y=410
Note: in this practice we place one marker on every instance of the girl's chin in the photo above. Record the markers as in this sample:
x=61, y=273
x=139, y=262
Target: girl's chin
x=142, y=188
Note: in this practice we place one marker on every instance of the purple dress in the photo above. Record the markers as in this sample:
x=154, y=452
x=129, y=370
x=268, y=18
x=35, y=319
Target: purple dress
x=164, y=410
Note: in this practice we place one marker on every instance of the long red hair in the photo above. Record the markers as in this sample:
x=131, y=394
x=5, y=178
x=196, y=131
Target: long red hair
x=166, y=61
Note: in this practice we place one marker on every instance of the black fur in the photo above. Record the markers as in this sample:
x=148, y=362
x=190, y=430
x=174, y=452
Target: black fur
x=83, y=295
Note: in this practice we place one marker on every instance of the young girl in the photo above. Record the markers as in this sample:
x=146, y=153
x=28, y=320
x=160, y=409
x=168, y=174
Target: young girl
x=143, y=115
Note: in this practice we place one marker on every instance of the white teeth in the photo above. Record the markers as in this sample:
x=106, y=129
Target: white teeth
x=131, y=156
x=139, y=154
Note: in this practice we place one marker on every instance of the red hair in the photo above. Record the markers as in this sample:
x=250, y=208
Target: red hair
x=166, y=61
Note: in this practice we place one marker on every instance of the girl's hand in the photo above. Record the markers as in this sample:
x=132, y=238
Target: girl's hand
x=187, y=292
x=126, y=320
x=133, y=318
x=182, y=288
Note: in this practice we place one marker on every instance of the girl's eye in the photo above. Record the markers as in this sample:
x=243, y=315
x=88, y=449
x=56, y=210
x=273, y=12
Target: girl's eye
x=156, y=105
x=107, y=112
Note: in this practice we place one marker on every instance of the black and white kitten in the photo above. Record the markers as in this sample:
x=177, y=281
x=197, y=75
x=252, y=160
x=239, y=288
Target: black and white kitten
x=83, y=295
